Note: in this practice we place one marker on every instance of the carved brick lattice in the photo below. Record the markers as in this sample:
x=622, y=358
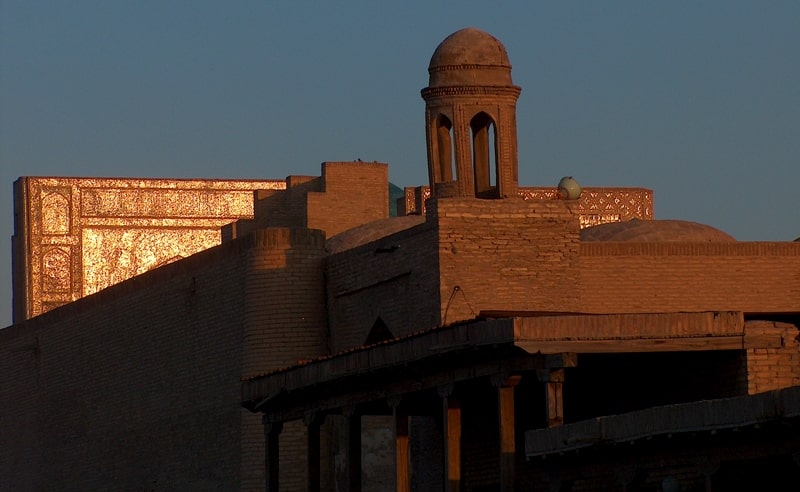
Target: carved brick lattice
x=596, y=205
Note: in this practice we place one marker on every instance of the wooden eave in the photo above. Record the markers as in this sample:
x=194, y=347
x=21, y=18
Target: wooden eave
x=700, y=416
x=403, y=365
x=481, y=348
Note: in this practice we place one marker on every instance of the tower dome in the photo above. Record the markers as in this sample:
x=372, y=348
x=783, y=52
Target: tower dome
x=470, y=57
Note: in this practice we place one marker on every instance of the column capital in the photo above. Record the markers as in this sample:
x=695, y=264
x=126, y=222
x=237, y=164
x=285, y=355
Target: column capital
x=394, y=400
x=505, y=381
x=271, y=426
x=313, y=418
x=445, y=390
x=550, y=375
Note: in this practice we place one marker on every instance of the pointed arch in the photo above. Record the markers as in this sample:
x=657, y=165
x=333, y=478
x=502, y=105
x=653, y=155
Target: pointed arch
x=55, y=214
x=484, y=155
x=378, y=333
x=446, y=170
x=56, y=272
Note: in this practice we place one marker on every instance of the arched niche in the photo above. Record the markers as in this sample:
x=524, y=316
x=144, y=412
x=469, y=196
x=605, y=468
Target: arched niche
x=55, y=214
x=483, y=133
x=56, y=275
x=445, y=162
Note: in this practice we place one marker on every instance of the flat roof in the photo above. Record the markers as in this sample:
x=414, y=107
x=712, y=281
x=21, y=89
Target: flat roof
x=484, y=347
x=706, y=415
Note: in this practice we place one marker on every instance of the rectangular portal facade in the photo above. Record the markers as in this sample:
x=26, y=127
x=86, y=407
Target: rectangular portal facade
x=75, y=236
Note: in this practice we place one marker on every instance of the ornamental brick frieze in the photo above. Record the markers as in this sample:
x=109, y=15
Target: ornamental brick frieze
x=595, y=206
x=511, y=92
x=467, y=66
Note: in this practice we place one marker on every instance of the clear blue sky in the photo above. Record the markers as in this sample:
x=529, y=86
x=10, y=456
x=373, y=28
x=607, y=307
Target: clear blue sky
x=699, y=101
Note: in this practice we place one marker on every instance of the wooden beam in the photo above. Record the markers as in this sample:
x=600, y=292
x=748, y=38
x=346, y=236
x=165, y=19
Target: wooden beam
x=383, y=357
x=358, y=390
x=559, y=360
x=617, y=345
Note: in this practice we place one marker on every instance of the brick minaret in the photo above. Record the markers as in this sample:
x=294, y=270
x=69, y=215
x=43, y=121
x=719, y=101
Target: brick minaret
x=470, y=115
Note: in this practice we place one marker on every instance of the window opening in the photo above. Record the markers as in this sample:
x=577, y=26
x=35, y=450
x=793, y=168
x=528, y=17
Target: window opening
x=484, y=155
x=444, y=146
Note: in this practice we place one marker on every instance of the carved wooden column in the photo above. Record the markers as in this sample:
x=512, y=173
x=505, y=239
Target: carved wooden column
x=505, y=427
x=552, y=375
x=708, y=467
x=402, y=468
x=272, y=432
x=451, y=432
x=313, y=423
x=625, y=475
x=553, y=380
x=353, y=449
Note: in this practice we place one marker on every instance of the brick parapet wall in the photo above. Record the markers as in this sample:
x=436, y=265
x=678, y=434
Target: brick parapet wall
x=509, y=254
x=394, y=278
x=352, y=194
x=346, y=195
x=277, y=208
x=773, y=368
x=664, y=277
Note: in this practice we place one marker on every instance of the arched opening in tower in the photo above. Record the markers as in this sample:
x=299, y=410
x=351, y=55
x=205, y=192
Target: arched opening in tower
x=444, y=145
x=484, y=155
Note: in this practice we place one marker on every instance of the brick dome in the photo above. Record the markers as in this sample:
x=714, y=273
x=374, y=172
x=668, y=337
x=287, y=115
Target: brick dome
x=655, y=231
x=470, y=57
x=371, y=231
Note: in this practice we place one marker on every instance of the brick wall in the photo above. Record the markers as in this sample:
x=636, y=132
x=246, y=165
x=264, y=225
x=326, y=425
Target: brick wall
x=135, y=387
x=393, y=278
x=505, y=255
x=664, y=277
x=773, y=368
x=138, y=386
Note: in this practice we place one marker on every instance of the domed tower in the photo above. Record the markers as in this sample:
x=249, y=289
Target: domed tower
x=471, y=118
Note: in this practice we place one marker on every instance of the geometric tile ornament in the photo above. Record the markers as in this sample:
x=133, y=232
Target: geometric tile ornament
x=76, y=236
x=595, y=205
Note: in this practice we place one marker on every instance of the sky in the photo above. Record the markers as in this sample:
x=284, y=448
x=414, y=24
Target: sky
x=699, y=101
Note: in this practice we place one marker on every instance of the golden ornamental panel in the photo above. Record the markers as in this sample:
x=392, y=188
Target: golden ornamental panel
x=113, y=255
x=75, y=236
